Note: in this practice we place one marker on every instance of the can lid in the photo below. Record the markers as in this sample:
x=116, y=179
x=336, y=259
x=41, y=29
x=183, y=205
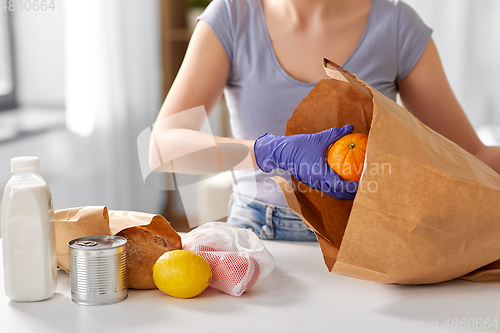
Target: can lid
x=91, y=243
x=25, y=163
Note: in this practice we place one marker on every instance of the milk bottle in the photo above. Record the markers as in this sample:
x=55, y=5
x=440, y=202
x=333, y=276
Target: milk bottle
x=28, y=234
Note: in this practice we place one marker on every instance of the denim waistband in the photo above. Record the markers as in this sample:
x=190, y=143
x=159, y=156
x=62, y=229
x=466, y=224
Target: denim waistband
x=267, y=221
x=278, y=211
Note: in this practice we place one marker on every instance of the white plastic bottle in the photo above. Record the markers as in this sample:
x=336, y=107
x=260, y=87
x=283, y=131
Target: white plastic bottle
x=28, y=234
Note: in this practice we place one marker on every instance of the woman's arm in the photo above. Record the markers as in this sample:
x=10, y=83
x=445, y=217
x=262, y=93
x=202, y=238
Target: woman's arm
x=426, y=93
x=176, y=142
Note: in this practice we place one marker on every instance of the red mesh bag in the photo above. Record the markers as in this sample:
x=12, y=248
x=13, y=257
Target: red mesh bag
x=238, y=257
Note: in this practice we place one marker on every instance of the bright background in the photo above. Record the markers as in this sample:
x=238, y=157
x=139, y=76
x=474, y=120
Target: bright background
x=88, y=80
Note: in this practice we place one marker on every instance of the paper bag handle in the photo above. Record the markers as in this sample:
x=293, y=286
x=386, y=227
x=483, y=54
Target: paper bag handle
x=349, y=77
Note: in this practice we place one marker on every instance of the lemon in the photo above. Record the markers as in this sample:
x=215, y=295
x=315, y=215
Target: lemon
x=182, y=273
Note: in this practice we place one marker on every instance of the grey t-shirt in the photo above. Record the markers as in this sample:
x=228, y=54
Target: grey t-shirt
x=261, y=96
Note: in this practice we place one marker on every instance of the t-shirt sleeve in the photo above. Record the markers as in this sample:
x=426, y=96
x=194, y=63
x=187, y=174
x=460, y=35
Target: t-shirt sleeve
x=413, y=37
x=217, y=16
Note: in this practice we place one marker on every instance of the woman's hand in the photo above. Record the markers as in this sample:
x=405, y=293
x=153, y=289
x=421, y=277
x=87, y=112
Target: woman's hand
x=304, y=156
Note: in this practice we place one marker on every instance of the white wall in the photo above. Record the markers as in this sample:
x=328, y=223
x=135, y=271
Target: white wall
x=467, y=34
x=85, y=170
x=39, y=56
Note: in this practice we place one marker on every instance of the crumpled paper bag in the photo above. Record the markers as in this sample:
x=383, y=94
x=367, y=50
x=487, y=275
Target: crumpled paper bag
x=426, y=210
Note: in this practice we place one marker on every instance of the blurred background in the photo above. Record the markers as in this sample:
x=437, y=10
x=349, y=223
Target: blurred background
x=80, y=80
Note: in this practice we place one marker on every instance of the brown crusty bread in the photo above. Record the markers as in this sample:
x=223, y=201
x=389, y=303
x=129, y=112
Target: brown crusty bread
x=144, y=246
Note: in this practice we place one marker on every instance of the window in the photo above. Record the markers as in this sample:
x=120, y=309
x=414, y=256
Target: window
x=7, y=80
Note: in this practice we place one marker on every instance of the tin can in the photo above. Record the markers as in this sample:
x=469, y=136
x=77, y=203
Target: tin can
x=98, y=269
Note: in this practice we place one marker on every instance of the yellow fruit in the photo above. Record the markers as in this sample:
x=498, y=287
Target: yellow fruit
x=182, y=273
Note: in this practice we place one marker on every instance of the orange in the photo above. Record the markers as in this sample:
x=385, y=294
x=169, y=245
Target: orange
x=346, y=156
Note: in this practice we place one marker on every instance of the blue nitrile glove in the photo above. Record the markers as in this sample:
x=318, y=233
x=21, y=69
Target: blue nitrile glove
x=304, y=156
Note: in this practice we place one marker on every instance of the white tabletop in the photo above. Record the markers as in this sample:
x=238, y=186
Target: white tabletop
x=300, y=295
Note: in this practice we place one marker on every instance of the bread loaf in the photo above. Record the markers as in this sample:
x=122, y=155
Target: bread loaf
x=145, y=244
x=143, y=249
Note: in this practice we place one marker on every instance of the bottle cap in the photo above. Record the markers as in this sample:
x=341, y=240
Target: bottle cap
x=25, y=164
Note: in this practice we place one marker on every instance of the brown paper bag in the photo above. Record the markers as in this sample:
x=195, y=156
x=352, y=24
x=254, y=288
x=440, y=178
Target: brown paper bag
x=75, y=223
x=426, y=210
x=148, y=235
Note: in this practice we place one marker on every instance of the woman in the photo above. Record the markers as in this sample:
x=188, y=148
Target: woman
x=266, y=57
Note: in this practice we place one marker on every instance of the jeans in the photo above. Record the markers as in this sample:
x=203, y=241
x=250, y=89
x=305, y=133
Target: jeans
x=268, y=221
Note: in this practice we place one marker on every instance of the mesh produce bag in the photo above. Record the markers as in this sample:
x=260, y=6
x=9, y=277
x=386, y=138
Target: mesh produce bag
x=238, y=257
